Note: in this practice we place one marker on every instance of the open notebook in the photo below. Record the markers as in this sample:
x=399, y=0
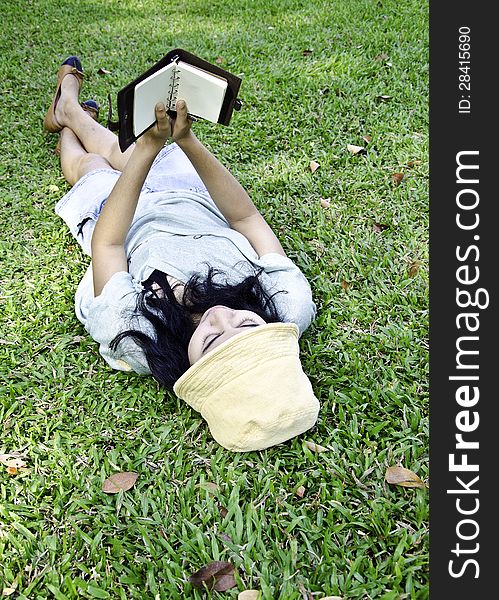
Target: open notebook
x=209, y=91
x=203, y=92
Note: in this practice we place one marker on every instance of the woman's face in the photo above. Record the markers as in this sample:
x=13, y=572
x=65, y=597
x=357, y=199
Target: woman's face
x=217, y=325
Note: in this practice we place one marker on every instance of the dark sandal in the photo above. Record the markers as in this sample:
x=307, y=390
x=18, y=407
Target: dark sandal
x=89, y=106
x=92, y=108
x=71, y=66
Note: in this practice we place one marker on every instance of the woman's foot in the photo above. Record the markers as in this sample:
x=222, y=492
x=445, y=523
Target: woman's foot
x=71, y=66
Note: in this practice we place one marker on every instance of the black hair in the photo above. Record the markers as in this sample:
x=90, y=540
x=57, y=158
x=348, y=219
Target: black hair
x=172, y=320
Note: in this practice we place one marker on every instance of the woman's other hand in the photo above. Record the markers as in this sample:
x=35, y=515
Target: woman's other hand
x=157, y=135
x=181, y=124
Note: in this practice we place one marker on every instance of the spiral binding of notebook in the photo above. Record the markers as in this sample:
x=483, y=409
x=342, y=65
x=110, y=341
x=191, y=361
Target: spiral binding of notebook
x=175, y=83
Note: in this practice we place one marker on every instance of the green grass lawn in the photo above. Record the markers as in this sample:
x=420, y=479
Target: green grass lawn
x=295, y=523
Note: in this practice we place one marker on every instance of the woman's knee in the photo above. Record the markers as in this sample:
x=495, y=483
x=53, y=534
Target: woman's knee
x=90, y=162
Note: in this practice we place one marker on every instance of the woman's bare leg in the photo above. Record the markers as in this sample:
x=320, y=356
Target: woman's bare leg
x=94, y=138
x=75, y=160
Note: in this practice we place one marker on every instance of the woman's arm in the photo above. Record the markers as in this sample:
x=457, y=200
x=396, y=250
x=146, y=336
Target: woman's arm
x=108, y=239
x=227, y=193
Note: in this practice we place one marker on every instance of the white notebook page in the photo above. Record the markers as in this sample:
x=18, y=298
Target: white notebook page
x=203, y=92
x=150, y=91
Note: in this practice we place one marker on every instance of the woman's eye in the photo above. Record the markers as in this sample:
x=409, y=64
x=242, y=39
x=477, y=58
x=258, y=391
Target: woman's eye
x=248, y=324
x=206, y=346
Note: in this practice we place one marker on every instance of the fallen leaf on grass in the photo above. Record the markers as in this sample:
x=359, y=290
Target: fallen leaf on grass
x=413, y=163
x=12, y=460
x=367, y=138
x=414, y=268
x=300, y=492
x=353, y=149
x=344, y=285
x=208, y=486
x=102, y=71
x=325, y=202
x=219, y=60
x=314, y=447
x=8, y=591
x=313, y=166
x=249, y=595
x=119, y=481
x=218, y=576
x=397, y=178
x=12, y=470
x=379, y=227
x=404, y=477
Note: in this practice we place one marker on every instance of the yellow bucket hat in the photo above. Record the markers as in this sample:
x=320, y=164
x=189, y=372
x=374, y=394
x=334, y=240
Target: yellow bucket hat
x=251, y=389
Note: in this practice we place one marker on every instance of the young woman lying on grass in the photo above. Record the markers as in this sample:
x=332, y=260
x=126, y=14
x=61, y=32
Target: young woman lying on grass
x=187, y=281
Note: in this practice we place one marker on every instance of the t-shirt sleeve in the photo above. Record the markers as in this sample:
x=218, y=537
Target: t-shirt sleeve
x=294, y=300
x=110, y=313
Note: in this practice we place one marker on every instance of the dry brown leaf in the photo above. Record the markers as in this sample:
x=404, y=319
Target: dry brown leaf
x=397, y=178
x=403, y=477
x=300, y=492
x=15, y=459
x=353, y=149
x=313, y=166
x=249, y=595
x=211, y=488
x=315, y=447
x=414, y=268
x=413, y=163
x=219, y=60
x=217, y=575
x=12, y=470
x=119, y=481
x=379, y=227
x=344, y=284
x=102, y=71
x=325, y=202
x=367, y=138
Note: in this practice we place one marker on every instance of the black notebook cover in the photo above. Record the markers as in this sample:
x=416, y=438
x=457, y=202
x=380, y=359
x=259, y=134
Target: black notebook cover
x=125, y=98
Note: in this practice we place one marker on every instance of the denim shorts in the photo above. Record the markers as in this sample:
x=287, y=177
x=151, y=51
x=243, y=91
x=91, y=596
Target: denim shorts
x=81, y=206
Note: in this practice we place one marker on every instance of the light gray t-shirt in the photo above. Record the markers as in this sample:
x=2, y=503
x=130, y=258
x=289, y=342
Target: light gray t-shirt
x=182, y=233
